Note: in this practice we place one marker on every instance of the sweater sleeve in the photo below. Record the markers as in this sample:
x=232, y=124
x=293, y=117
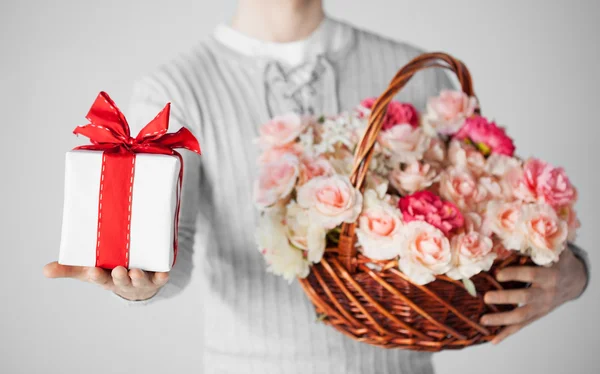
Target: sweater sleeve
x=148, y=98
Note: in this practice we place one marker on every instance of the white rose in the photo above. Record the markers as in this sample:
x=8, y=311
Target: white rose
x=330, y=200
x=471, y=254
x=403, y=143
x=545, y=234
x=303, y=234
x=282, y=258
x=502, y=218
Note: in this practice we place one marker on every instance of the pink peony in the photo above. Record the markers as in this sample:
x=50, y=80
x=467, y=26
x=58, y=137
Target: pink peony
x=541, y=182
x=428, y=207
x=397, y=113
x=276, y=181
x=486, y=136
x=447, y=113
x=282, y=130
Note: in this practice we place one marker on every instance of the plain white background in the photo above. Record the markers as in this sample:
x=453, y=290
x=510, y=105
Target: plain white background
x=534, y=65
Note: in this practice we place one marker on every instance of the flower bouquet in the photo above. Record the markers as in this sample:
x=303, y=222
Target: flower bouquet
x=393, y=219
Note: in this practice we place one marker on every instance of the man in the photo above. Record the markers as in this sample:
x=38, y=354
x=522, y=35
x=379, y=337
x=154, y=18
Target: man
x=279, y=56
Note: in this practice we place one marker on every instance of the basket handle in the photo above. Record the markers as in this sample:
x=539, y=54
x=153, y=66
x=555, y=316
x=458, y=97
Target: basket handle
x=364, y=151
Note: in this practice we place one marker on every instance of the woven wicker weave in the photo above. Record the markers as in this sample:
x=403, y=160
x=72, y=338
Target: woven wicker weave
x=378, y=304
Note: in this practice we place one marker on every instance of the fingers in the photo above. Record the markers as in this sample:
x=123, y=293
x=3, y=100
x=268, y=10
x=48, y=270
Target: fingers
x=519, y=315
x=121, y=278
x=506, y=332
x=527, y=274
x=56, y=270
x=140, y=279
x=132, y=285
x=160, y=279
x=515, y=297
x=100, y=277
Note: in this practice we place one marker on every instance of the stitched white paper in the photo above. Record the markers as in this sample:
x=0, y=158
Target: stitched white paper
x=153, y=210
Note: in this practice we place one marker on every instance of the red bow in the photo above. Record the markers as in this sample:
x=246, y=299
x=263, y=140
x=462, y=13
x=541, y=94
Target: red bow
x=109, y=132
x=108, y=129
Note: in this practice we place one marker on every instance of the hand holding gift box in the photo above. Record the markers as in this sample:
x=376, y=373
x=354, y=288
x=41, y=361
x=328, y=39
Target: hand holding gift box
x=122, y=194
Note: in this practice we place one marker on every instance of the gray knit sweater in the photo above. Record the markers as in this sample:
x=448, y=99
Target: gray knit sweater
x=256, y=322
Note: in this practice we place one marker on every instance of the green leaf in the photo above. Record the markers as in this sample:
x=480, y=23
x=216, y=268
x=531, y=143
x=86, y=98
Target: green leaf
x=470, y=287
x=484, y=148
x=320, y=317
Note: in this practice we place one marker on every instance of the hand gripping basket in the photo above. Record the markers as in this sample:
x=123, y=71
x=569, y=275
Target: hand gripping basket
x=383, y=307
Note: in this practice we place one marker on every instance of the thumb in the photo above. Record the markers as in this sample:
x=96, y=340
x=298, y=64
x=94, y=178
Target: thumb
x=56, y=270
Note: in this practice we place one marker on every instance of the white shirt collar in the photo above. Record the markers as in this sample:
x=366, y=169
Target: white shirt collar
x=330, y=36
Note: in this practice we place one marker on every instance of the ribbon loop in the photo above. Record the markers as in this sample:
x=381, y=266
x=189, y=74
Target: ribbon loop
x=108, y=125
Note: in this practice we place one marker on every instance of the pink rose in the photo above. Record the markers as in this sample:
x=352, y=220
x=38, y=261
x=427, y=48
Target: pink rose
x=545, y=234
x=471, y=254
x=330, y=200
x=465, y=156
x=379, y=230
x=404, y=143
x=276, y=181
x=539, y=181
x=486, y=136
x=425, y=253
x=275, y=153
x=282, y=130
x=428, y=207
x=413, y=177
x=397, y=113
x=461, y=188
x=502, y=218
x=447, y=113
x=314, y=167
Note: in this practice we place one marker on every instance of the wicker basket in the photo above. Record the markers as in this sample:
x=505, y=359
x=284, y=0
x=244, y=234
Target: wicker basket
x=378, y=304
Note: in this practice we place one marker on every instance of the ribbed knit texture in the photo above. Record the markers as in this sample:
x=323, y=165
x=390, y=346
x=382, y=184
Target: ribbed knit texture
x=256, y=322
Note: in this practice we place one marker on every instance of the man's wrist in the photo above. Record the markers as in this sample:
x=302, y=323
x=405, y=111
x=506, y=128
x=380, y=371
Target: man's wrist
x=582, y=271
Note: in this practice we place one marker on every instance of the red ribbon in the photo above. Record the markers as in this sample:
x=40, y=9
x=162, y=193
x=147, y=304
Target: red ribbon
x=109, y=132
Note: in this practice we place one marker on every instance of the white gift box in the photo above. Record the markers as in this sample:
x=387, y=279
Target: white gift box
x=153, y=209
